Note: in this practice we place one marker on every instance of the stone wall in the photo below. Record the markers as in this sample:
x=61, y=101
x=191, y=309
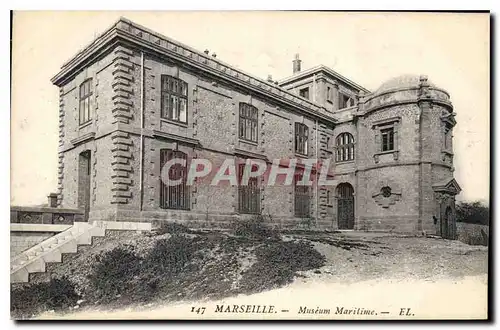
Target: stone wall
x=211, y=132
x=125, y=173
x=45, y=215
x=26, y=235
x=21, y=241
x=398, y=170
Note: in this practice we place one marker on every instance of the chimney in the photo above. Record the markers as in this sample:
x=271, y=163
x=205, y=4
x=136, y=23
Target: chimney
x=214, y=55
x=52, y=197
x=269, y=78
x=206, y=51
x=296, y=64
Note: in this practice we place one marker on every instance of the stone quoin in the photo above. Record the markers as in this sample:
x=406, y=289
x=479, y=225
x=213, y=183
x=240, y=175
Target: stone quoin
x=134, y=99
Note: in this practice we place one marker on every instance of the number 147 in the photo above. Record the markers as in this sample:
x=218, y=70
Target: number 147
x=199, y=310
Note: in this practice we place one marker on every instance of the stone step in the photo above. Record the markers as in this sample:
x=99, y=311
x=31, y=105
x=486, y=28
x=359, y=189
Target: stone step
x=68, y=246
x=84, y=238
x=36, y=259
x=97, y=231
x=21, y=275
x=53, y=256
x=37, y=266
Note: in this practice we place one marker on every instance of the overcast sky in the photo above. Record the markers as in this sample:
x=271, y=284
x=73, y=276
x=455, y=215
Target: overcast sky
x=368, y=48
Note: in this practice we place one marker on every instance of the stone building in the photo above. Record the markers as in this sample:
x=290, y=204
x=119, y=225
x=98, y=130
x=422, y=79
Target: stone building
x=133, y=99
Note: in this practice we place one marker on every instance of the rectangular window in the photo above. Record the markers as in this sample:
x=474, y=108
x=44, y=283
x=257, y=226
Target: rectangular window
x=304, y=93
x=447, y=138
x=345, y=101
x=85, y=110
x=174, y=196
x=301, y=139
x=248, y=195
x=302, y=196
x=328, y=94
x=174, y=99
x=248, y=122
x=387, y=135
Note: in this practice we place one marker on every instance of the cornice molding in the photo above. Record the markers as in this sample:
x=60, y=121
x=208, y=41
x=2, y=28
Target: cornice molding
x=147, y=40
x=174, y=137
x=83, y=138
x=246, y=153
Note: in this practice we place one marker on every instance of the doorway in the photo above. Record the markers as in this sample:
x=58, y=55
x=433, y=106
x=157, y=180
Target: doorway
x=345, y=206
x=447, y=224
x=84, y=182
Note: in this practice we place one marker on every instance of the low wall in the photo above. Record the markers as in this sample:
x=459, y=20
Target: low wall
x=45, y=215
x=25, y=236
x=473, y=234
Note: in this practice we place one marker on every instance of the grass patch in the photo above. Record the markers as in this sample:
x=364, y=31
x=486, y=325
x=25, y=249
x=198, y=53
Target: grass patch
x=165, y=227
x=277, y=264
x=113, y=273
x=181, y=267
x=255, y=228
x=28, y=300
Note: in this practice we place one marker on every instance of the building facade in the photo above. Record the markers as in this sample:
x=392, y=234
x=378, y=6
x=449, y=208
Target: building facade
x=134, y=99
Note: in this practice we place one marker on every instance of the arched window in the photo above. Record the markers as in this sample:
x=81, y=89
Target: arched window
x=345, y=147
x=174, y=99
x=85, y=106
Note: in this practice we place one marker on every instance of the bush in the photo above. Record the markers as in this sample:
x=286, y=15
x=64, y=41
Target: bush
x=120, y=274
x=298, y=255
x=473, y=234
x=169, y=256
x=171, y=228
x=277, y=264
x=57, y=294
x=113, y=273
x=254, y=228
x=475, y=212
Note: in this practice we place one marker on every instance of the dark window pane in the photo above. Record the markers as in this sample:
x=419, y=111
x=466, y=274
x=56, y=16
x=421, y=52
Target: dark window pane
x=182, y=110
x=301, y=135
x=176, y=196
x=345, y=147
x=248, y=122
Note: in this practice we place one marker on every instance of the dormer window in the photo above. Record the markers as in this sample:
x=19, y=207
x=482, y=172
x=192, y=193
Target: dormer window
x=304, y=92
x=345, y=101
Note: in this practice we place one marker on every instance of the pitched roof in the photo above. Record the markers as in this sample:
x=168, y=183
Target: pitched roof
x=324, y=69
x=448, y=185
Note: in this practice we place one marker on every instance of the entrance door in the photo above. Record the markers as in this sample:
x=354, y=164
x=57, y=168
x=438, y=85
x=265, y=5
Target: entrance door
x=84, y=182
x=447, y=224
x=345, y=206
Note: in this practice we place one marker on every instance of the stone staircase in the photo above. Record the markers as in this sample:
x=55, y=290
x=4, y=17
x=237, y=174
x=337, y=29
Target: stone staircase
x=35, y=259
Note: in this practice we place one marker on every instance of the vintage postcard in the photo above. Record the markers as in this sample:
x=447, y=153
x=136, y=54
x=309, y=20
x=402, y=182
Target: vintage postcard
x=250, y=165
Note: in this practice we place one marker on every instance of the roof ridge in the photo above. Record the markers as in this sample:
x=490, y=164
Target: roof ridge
x=322, y=67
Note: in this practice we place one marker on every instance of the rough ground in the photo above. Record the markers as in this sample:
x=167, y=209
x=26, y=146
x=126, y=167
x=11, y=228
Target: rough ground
x=350, y=257
x=360, y=256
